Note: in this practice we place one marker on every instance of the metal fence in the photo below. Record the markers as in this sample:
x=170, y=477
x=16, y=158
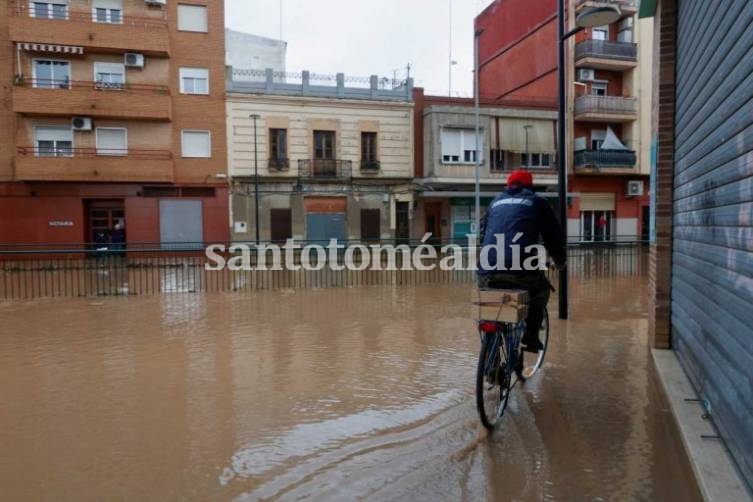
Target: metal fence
x=42, y=273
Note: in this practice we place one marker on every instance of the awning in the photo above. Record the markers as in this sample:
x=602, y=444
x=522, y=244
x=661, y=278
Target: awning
x=58, y=49
x=512, y=135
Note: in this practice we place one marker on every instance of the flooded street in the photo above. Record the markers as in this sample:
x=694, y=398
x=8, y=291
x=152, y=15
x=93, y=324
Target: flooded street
x=337, y=393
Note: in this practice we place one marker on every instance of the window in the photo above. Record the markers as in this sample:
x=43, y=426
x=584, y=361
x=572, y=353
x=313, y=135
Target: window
x=370, y=224
x=109, y=75
x=194, y=81
x=50, y=10
x=541, y=160
x=324, y=145
x=459, y=146
x=601, y=33
x=112, y=141
x=596, y=226
x=53, y=141
x=625, y=33
x=368, y=147
x=192, y=18
x=49, y=74
x=107, y=11
x=497, y=160
x=196, y=144
x=278, y=144
x=597, y=138
x=599, y=89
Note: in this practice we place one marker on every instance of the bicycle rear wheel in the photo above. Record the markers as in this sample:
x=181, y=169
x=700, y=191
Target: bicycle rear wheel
x=530, y=368
x=493, y=380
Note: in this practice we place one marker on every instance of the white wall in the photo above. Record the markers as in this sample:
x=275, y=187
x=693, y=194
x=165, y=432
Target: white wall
x=251, y=52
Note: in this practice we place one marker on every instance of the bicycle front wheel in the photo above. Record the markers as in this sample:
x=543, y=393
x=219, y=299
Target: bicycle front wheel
x=493, y=380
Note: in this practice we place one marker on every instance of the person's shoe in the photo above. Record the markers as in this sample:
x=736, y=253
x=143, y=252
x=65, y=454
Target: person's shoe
x=532, y=344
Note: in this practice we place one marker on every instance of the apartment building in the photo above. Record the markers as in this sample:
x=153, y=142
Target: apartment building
x=512, y=134
x=608, y=87
x=329, y=156
x=112, y=118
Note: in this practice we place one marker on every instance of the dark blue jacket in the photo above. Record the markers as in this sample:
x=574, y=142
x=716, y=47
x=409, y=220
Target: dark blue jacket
x=519, y=210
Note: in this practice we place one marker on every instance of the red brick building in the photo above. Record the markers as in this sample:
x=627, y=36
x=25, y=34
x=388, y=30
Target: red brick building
x=608, y=104
x=112, y=113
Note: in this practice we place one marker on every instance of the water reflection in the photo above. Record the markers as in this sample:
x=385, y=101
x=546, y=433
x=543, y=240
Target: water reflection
x=341, y=393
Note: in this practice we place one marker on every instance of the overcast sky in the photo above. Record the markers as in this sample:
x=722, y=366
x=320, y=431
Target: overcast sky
x=363, y=37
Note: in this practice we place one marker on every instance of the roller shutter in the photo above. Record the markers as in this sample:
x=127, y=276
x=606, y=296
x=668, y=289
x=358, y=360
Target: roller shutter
x=712, y=270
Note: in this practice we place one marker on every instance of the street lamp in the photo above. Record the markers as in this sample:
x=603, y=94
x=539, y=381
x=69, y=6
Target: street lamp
x=256, y=179
x=477, y=113
x=588, y=18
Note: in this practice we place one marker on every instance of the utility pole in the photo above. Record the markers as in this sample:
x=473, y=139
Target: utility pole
x=254, y=117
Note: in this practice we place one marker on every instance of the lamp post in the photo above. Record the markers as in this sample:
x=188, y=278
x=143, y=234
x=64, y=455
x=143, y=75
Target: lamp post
x=588, y=18
x=256, y=180
x=528, y=155
x=477, y=112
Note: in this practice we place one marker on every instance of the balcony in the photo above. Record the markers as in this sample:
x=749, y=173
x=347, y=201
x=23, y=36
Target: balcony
x=278, y=164
x=83, y=164
x=148, y=35
x=606, y=55
x=607, y=159
x=93, y=99
x=627, y=7
x=591, y=108
x=325, y=169
x=370, y=166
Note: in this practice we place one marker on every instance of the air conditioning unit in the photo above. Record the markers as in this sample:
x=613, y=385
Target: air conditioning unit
x=133, y=60
x=586, y=75
x=156, y=3
x=81, y=123
x=634, y=188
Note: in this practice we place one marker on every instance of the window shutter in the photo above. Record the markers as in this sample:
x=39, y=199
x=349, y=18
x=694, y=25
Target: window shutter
x=450, y=142
x=196, y=144
x=111, y=141
x=192, y=18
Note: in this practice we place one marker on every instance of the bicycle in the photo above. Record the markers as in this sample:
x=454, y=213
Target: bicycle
x=501, y=362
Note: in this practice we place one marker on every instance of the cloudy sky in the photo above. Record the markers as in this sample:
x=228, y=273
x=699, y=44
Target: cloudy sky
x=363, y=37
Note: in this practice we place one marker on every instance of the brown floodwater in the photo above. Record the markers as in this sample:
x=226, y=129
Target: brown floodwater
x=332, y=394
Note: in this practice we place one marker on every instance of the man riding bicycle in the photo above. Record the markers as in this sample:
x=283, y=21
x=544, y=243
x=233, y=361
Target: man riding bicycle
x=519, y=212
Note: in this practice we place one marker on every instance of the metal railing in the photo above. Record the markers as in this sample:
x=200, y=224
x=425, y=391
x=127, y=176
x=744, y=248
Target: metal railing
x=370, y=165
x=612, y=105
x=605, y=158
x=46, y=84
x=621, y=3
x=35, y=271
x=278, y=164
x=129, y=153
x=625, y=51
x=333, y=169
x=23, y=8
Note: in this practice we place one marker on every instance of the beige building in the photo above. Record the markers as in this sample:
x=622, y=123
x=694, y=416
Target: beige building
x=327, y=161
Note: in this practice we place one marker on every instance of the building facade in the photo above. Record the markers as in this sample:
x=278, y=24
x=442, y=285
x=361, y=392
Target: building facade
x=253, y=52
x=512, y=135
x=113, y=122
x=327, y=160
x=608, y=104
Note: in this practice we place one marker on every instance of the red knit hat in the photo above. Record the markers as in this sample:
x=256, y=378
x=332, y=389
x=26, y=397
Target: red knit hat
x=520, y=177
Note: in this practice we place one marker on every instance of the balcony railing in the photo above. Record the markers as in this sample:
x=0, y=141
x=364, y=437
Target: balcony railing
x=92, y=99
x=89, y=153
x=135, y=33
x=623, y=4
x=40, y=83
x=278, y=164
x=605, y=158
x=25, y=10
x=92, y=164
x=605, y=49
x=370, y=165
x=333, y=169
x=605, y=105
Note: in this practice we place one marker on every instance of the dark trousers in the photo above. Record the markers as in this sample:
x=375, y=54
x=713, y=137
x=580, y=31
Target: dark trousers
x=535, y=283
